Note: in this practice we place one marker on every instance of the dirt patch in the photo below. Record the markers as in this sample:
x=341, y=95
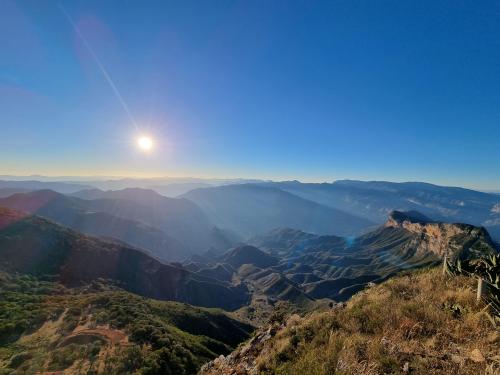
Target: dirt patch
x=88, y=335
x=48, y=331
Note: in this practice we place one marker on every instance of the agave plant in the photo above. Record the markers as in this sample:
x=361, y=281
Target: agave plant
x=488, y=269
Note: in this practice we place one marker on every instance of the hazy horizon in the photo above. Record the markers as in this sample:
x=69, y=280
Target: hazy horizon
x=208, y=179
x=310, y=91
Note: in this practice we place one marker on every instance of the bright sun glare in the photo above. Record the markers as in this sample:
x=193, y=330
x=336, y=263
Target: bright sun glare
x=145, y=143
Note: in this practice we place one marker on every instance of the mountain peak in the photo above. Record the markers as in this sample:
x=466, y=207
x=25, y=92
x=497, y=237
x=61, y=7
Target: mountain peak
x=411, y=216
x=31, y=201
x=247, y=254
x=443, y=239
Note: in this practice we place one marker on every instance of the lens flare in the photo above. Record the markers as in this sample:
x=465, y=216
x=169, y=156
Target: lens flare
x=145, y=143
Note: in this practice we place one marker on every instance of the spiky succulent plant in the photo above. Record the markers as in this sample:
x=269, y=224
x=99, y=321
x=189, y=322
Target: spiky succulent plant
x=486, y=268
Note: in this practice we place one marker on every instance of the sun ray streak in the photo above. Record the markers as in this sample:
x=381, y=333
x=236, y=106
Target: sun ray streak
x=100, y=66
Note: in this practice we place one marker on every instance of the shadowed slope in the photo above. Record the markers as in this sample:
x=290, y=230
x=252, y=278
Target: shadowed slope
x=172, y=229
x=374, y=200
x=252, y=209
x=37, y=246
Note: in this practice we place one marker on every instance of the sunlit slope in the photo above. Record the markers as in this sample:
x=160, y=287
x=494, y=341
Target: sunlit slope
x=420, y=323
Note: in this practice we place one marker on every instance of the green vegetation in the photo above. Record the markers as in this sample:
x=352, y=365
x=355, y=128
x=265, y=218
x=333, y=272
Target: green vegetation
x=103, y=329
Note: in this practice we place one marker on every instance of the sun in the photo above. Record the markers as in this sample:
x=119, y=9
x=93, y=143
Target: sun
x=145, y=143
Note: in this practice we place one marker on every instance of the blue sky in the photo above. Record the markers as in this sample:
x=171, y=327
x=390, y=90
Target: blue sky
x=312, y=90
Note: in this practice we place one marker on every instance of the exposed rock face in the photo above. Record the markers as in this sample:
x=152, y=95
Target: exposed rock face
x=442, y=239
x=243, y=360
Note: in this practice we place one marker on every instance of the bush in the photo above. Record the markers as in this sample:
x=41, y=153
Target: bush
x=18, y=359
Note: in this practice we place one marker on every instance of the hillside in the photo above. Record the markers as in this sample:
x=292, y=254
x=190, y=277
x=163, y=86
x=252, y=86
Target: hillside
x=248, y=255
x=252, y=209
x=285, y=241
x=6, y=192
x=419, y=323
x=171, y=229
x=305, y=269
x=99, y=329
x=40, y=247
x=177, y=217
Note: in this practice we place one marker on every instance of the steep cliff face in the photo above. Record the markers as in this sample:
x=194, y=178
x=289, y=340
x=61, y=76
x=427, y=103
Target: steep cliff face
x=442, y=239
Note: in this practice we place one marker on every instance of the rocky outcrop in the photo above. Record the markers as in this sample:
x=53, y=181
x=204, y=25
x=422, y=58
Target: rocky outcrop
x=443, y=239
x=244, y=359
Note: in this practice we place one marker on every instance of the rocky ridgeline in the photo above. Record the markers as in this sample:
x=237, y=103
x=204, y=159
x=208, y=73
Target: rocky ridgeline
x=442, y=239
x=244, y=359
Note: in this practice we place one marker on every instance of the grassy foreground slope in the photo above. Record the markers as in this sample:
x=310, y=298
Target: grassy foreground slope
x=418, y=323
x=99, y=329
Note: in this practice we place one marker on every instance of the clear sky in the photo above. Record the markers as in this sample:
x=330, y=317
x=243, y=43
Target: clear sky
x=312, y=90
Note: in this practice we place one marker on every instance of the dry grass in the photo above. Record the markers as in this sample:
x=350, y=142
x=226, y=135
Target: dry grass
x=425, y=320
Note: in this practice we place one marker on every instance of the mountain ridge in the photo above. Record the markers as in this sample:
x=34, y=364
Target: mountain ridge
x=251, y=209
x=170, y=228
x=34, y=245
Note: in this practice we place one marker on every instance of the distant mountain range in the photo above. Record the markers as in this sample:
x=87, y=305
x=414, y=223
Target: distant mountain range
x=374, y=200
x=167, y=186
x=220, y=216
x=252, y=209
x=284, y=264
x=29, y=185
x=358, y=206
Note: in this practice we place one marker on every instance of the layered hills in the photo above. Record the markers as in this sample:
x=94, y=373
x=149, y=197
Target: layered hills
x=300, y=267
x=227, y=201
x=34, y=245
x=285, y=264
x=252, y=209
x=102, y=288
x=48, y=328
x=71, y=303
x=374, y=200
x=171, y=229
